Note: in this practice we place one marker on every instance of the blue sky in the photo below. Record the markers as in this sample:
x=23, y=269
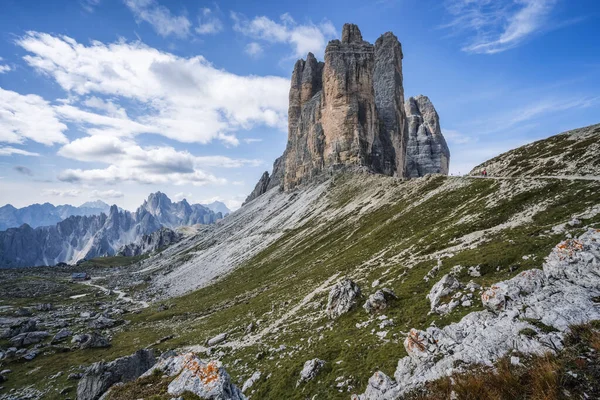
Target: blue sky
x=113, y=99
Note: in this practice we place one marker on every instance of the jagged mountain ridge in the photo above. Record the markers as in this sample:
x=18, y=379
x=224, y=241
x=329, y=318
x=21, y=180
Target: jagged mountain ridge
x=349, y=111
x=46, y=214
x=83, y=237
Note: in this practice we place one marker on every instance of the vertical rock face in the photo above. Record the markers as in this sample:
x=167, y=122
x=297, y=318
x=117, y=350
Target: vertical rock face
x=349, y=111
x=427, y=151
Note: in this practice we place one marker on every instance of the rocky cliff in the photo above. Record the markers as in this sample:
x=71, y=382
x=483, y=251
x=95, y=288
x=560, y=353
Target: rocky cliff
x=427, y=151
x=157, y=240
x=349, y=111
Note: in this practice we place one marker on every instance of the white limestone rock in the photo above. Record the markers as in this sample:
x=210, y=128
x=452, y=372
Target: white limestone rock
x=311, y=369
x=342, y=298
x=207, y=380
x=445, y=286
x=559, y=296
x=251, y=381
x=379, y=300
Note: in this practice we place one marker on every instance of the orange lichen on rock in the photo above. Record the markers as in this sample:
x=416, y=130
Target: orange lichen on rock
x=567, y=248
x=414, y=341
x=207, y=373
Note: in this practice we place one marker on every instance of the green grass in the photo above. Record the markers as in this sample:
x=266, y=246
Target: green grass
x=114, y=261
x=402, y=234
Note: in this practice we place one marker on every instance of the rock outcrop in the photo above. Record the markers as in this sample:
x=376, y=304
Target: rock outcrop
x=342, y=298
x=207, y=380
x=349, y=111
x=155, y=241
x=310, y=370
x=559, y=296
x=99, y=377
x=427, y=151
x=379, y=300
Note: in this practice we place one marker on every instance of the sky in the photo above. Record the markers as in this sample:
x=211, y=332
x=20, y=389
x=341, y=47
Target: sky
x=115, y=99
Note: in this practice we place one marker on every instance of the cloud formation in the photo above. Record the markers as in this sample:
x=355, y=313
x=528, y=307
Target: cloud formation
x=160, y=17
x=303, y=38
x=28, y=117
x=107, y=194
x=61, y=193
x=495, y=26
x=208, y=22
x=128, y=161
x=9, y=151
x=23, y=170
x=185, y=99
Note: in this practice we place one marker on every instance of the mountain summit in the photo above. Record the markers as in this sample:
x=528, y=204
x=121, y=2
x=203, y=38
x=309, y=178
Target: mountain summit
x=350, y=111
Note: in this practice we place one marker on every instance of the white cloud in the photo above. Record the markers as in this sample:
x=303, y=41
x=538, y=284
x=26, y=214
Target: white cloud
x=30, y=117
x=108, y=107
x=8, y=151
x=253, y=49
x=160, y=17
x=106, y=194
x=181, y=196
x=61, y=193
x=497, y=26
x=185, y=99
x=252, y=140
x=4, y=68
x=303, y=38
x=89, y=5
x=208, y=23
x=129, y=162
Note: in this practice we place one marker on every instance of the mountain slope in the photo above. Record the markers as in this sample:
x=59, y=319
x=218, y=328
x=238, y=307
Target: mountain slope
x=263, y=274
x=378, y=231
x=572, y=153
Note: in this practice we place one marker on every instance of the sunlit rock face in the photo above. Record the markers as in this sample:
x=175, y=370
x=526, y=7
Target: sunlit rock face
x=349, y=111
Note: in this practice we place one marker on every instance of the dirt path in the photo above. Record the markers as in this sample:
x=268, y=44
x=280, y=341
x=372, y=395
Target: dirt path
x=122, y=295
x=565, y=177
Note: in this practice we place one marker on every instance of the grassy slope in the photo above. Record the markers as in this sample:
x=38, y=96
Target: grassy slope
x=561, y=154
x=392, y=241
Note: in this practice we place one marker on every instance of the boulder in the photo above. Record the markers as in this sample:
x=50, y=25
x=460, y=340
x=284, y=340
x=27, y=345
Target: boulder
x=251, y=381
x=379, y=300
x=61, y=335
x=342, y=298
x=102, y=322
x=447, y=285
x=207, y=380
x=99, y=377
x=25, y=339
x=44, y=307
x=10, y=327
x=311, y=369
x=379, y=387
x=220, y=338
x=90, y=340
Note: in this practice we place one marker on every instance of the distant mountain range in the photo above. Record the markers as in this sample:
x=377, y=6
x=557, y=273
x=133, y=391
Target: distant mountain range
x=79, y=237
x=48, y=214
